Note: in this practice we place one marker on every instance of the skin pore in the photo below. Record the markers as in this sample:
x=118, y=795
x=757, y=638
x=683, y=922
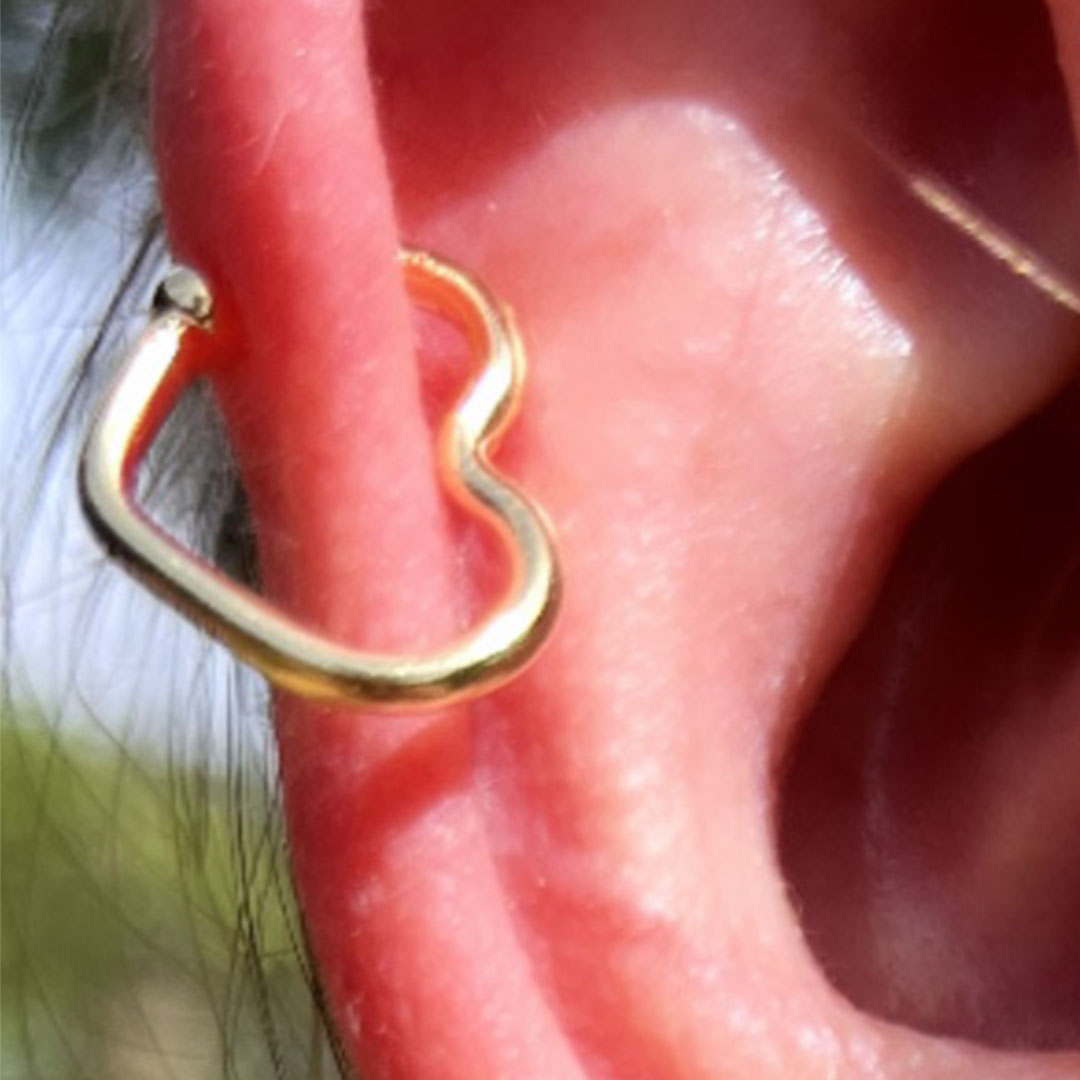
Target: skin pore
x=755, y=351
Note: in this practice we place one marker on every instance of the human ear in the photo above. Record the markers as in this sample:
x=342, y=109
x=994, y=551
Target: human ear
x=756, y=347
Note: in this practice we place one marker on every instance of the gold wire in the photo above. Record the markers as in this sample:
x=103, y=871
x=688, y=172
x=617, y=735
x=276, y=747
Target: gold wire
x=290, y=654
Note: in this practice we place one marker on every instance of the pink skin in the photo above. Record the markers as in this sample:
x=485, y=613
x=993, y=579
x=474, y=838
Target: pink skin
x=753, y=355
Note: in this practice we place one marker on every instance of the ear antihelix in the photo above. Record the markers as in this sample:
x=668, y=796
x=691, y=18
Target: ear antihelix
x=290, y=654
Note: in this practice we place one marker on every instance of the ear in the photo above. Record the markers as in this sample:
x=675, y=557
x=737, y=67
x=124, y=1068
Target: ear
x=756, y=347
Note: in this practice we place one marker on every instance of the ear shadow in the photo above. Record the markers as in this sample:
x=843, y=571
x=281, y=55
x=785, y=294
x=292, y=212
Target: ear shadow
x=929, y=823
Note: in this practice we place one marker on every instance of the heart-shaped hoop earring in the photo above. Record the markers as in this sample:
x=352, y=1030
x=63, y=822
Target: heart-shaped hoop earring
x=288, y=653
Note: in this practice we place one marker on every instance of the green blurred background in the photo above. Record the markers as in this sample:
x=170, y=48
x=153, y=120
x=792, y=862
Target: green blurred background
x=147, y=927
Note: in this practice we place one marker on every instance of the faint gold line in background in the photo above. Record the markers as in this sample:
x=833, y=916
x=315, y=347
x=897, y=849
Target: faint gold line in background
x=1023, y=262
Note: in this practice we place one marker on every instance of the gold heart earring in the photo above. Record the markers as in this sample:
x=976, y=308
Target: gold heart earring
x=288, y=653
